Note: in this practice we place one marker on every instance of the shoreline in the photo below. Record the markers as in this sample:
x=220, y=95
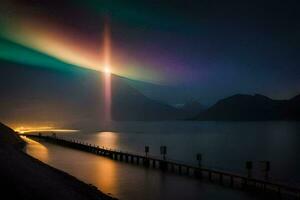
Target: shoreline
x=25, y=177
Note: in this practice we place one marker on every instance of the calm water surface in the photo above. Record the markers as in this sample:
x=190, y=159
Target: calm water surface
x=224, y=145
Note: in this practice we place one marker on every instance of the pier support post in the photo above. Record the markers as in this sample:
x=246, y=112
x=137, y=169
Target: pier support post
x=231, y=181
x=279, y=192
x=131, y=159
x=172, y=167
x=249, y=168
x=111, y=155
x=221, y=179
x=244, y=183
x=163, y=165
x=179, y=169
x=153, y=164
x=187, y=171
x=210, y=176
x=198, y=173
x=146, y=162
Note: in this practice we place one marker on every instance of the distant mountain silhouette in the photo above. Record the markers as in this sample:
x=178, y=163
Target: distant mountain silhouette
x=191, y=108
x=129, y=104
x=33, y=95
x=253, y=108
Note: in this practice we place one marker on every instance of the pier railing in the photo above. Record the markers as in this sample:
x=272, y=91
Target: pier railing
x=216, y=176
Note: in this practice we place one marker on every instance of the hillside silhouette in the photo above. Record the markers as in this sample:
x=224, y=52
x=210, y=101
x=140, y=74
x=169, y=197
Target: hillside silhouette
x=256, y=107
x=72, y=98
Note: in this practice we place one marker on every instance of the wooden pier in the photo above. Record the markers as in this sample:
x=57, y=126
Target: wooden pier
x=220, y=177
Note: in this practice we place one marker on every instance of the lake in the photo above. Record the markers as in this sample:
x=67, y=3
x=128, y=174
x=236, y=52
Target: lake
x=223, y=145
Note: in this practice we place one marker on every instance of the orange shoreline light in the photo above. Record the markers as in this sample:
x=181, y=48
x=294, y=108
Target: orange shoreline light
x=42, y=129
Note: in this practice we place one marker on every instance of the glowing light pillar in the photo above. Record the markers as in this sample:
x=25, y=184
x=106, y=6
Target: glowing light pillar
x=107, y=74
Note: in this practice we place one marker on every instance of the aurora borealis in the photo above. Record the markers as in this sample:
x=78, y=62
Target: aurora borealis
x=63, y=43
x=189, y=50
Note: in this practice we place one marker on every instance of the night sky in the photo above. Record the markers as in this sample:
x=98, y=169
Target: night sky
x=177, y=50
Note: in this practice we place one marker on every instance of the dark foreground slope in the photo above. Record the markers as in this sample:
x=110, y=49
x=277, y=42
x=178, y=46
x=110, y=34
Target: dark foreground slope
x=253, y=108
x=25, y=178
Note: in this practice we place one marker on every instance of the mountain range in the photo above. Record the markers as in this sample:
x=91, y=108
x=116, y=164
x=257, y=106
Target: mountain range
x=256, y=107
x=73, y=97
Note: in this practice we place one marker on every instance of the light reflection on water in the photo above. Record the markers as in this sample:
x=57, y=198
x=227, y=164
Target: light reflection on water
x=107, y=139
x=225, y=145
x=34, y=147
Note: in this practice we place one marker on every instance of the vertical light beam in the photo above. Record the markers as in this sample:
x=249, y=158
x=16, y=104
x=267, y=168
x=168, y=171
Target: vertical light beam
x=107, y=49
x=107, y=73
